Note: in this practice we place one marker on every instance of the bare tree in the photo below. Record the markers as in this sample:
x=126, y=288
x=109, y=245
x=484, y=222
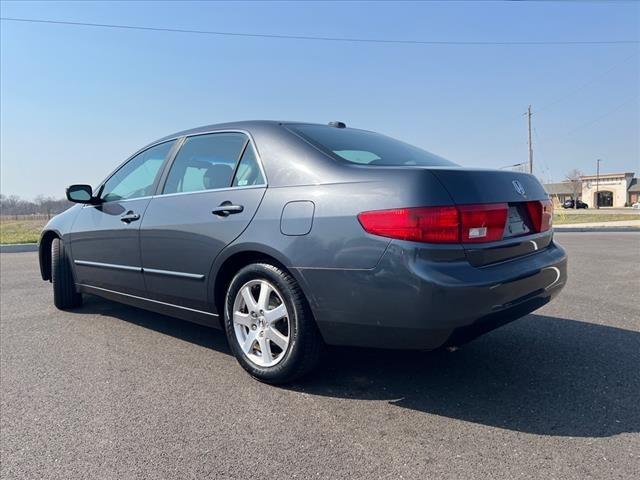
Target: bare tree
x=574, y=179
x=41, y=205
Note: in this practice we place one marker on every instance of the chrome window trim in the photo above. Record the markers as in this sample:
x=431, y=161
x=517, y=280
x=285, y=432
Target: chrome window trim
x=252, y=143
x=172, y=157
x=148, y=300
x=225, y=189
x=146, y=197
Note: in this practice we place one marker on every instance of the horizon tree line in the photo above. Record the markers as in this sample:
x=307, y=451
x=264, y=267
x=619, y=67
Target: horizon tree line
x=13, y=205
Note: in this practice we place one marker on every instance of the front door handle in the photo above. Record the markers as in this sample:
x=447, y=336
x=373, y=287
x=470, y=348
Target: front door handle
x=129, y=217
x=227, y=208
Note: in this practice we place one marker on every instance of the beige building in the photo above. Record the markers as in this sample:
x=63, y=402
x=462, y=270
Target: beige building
x=611, y=189
x=605, y=190
x=559, y=192
x=634, y=192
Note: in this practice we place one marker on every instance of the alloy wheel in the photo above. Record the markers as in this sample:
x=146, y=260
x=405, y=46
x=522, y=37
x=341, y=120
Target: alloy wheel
x=261, y=323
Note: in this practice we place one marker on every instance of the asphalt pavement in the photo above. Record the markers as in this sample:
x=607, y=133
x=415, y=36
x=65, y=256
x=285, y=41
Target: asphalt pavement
x=113, y=392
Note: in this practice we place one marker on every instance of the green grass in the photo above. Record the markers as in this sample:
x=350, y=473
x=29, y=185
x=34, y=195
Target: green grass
x=28, y=231
x=20, y=231
x=561, y=218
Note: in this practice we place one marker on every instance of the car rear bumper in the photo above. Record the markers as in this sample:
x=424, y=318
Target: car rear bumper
x=411, y=300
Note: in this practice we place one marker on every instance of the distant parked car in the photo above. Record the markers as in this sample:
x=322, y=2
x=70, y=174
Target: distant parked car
x=636, y=205
x=570, y=204
x=292, y=235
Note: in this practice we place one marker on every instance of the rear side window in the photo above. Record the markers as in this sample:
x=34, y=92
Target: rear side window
x=205, y=162
x=248, y=172
x=366, y=148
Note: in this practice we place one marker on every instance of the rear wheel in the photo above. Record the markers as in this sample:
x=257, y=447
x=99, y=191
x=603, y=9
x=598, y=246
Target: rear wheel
x=269, y=325
x=64, y=290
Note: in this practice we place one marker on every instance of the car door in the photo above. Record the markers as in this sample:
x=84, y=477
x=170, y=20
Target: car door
x=212, y=190
x=105, y=242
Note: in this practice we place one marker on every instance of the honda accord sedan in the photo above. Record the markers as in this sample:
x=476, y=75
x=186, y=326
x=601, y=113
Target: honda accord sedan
x=292, y=236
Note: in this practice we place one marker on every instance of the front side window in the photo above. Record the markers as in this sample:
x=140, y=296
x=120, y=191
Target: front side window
x=365, y=148
x=138, y=176
x=205, y=162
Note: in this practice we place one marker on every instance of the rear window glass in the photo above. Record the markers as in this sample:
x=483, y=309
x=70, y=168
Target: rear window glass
x=366, y=148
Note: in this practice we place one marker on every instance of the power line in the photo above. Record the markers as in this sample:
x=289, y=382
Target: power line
x=590, y=122
x=600, y=117
x=324, y=39
x=544, y=168
x=563, y=138
x=586, y=84
x=580, y=87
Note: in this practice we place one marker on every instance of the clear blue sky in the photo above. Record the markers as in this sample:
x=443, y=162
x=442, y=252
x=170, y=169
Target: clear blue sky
x=76, y=101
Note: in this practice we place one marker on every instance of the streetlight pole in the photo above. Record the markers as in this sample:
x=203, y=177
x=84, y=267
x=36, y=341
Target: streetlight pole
x=598, y=182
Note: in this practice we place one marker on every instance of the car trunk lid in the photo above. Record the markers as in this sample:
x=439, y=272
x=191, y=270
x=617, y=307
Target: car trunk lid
x=521, y=192
x=470, y=186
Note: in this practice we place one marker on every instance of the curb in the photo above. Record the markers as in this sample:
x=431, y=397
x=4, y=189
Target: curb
x=19, y=247
x=596, y=229
x=33, y=247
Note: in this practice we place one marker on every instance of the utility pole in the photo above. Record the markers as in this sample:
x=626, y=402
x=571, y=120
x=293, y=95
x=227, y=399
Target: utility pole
x=530, y=145
x=598, y=182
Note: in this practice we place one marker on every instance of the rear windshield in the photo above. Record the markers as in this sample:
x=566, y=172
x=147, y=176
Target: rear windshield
x=366, y=148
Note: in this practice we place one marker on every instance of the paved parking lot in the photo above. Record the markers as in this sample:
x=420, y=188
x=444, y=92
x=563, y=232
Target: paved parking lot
x=114, y=392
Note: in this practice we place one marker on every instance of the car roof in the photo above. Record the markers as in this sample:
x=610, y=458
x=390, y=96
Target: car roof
x=247, y=125
x=282, y=153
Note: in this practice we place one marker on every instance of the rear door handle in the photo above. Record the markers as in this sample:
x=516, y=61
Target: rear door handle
x=130, y=217
x=227, y=208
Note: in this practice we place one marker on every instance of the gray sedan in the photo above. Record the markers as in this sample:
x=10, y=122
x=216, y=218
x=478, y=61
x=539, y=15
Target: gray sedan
x=291, y=236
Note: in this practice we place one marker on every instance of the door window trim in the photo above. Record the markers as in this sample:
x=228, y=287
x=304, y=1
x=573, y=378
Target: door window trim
x=172, y=157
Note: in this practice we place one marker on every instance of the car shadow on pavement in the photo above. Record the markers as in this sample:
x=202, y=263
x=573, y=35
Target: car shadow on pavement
x=190, y=332
x=541, y=375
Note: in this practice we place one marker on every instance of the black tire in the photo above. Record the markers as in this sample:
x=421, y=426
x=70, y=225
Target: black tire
x=65, y=295
x=305, y=343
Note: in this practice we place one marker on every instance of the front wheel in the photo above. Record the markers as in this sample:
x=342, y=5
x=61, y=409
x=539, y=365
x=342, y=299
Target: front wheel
x=65, y=295
x=269, y=325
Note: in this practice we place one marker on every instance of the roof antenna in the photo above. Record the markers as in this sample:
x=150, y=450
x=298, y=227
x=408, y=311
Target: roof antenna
x=338, y=124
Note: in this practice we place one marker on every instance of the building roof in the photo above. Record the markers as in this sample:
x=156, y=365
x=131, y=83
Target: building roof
x=562, y=188
x=607, y=175
x=634, y=186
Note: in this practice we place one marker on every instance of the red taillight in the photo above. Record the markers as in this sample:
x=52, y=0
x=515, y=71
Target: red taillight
x=547, y=215
x=462, y=224
x=423, y=224
x=482, y=223
x=541, y=214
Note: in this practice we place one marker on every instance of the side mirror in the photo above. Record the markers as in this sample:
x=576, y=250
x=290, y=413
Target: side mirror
x=80, y=194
